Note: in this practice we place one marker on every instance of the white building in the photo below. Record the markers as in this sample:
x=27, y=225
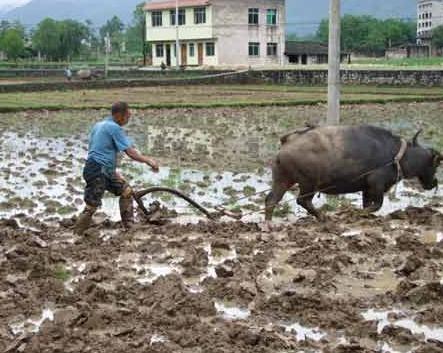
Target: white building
x=429, y=16
x=217, y=32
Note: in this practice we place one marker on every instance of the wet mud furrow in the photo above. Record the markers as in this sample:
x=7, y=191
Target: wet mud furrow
x=354, y=284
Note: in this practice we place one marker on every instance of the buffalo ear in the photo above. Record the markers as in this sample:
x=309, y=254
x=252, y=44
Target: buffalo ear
x=415, y=138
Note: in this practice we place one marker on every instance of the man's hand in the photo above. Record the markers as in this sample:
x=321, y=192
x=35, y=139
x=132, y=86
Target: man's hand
x=153, y=164
x=137, y=156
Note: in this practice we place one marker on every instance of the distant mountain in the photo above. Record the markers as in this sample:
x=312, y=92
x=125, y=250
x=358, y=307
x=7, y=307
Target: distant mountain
x=302, y=16
x=98, y=11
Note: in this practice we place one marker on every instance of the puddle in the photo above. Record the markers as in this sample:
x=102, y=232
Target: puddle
x=216, y=259
x=381, y=282
x=32, y=326
x=77, y=275
x=382, y=318
x=41, y=165
x=157, y=339
x=152, y=272
x=232, y=313
x=303, y=333
x=352, y=233
x=432, y=237
x=146, y=271
x=386, y=348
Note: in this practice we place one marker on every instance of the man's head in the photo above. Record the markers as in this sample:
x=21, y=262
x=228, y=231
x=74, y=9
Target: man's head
x=120, y=113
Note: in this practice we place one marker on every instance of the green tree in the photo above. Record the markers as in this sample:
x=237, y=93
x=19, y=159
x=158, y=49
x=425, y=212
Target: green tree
x=72, y=34
x=369, y=35
x=59, y=40
x=437, y=37
x=135, y=34
x=114, y=27
x=12, y=43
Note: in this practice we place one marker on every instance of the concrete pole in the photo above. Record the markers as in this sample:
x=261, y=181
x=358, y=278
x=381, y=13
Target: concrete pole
x=334, y=63
x=177, y=39
x=107, y=51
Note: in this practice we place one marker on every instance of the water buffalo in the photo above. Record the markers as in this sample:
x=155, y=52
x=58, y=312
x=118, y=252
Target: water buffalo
x=347, y=159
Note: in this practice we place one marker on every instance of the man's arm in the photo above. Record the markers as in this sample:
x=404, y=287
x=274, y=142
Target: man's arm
x=138, y=157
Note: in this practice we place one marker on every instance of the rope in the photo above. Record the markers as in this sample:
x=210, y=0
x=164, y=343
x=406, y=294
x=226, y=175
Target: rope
x=331, y=187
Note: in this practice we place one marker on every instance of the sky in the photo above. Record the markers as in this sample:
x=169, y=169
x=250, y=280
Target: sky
x=11, y=3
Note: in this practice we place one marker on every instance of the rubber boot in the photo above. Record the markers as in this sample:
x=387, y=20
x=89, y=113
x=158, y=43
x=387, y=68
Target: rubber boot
x=84, y=220
x=127, y=211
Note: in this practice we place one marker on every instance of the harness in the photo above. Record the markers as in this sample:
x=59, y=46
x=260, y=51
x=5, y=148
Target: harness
x=397, y=159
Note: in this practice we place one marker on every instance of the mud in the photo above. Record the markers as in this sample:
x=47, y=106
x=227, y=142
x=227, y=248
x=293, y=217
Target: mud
x=217, y=156
x=354, y=284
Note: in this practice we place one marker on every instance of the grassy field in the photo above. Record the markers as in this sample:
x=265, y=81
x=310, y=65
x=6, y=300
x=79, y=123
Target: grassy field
x=211, y=96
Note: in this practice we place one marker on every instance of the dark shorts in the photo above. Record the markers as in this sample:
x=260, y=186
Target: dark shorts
x=97, y=182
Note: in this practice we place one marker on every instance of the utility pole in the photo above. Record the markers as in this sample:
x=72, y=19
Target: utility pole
x=144, y=39
x=334, y=63
x=177, y=39
x=107, y=51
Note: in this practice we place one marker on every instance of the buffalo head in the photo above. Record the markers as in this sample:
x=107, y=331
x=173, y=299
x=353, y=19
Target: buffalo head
x=426, y=162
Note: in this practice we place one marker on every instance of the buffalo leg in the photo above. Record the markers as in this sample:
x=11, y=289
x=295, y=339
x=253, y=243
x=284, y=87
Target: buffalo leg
x=273, y=198
x=305, y=201
x=373, y=197
x=366, y=199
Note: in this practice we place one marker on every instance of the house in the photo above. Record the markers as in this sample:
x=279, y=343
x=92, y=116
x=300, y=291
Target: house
x=309, y=53
x=216, y=32
x=429, y=16
x=408, y=51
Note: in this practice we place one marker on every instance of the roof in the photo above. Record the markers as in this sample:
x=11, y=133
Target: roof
x=170, y=4
x=310, y=48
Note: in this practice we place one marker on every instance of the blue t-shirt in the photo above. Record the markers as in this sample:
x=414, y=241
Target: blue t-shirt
x=107, y=139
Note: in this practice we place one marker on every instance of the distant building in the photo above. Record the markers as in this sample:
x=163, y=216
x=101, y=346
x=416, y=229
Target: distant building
x=217, y=32
x=429, y=16
x=309, y=53
x=408, y=51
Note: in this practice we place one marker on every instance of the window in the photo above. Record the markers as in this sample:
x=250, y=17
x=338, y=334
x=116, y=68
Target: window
x=272, y=49
x=271, y=17
x=199, y=15
x=175, y=50
x=210, y=49
x=191, y=50
x=181, y=17
x=254, y=49
x=157, y=18
x=159, y=50
x=253, y=16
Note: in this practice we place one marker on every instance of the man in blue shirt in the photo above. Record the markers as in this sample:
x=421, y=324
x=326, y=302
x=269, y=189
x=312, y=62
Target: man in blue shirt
x=107, y=140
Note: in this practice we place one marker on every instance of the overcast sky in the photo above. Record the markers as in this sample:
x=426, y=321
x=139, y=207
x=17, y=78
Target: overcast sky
x=12, y=3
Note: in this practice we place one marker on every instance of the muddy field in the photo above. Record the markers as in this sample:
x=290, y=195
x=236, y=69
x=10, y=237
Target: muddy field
x=354, y=284
x=215, y=155
x=357, y=283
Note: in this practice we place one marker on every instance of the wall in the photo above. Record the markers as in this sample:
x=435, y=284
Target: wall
x=289, y=77
x=167, y=32
x=233, y=40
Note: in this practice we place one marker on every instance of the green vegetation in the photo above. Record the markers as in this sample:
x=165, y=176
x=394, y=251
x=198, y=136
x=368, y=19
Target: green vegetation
x=62, y=273
x=437, y=37
x=69, y=40
x=369, y=35
x=59, y=40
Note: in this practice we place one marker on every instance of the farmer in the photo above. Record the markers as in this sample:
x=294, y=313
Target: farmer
x=107, y=140
x=68, y=74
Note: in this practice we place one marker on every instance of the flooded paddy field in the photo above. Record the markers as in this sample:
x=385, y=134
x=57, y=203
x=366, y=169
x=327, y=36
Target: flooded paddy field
x=357, y=283
x=217, y=156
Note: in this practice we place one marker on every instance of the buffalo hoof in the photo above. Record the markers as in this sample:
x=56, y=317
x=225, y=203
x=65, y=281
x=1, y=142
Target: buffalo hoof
x=268, y=227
